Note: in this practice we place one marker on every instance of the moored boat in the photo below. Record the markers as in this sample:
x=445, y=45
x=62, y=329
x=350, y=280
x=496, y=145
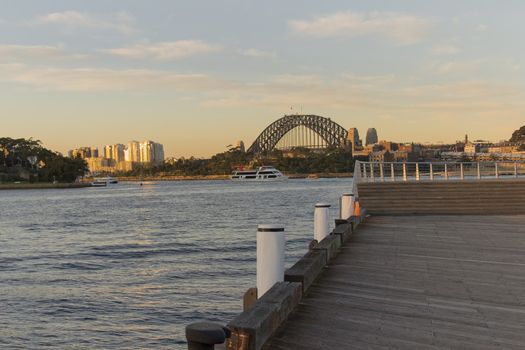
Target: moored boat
x=264, y=173
x=104, y=181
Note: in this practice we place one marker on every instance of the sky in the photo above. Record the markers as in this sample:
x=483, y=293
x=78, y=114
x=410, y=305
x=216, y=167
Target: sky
x=199, y=75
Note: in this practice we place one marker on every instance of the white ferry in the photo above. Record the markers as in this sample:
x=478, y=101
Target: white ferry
x=104, y=181
x=264, y=173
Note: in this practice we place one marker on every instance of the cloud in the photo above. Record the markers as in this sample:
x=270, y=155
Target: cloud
x=252, y=52
x=34, y=52
x=400, y=28
x=363, y=95
x=445, y=50
x=100, y=79
x=165, y=51
x=120, y=22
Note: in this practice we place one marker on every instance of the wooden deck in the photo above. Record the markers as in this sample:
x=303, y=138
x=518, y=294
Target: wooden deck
x=418, y=282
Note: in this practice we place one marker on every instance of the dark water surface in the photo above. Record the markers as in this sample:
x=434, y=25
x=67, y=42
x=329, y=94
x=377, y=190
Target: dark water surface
x=128, y=267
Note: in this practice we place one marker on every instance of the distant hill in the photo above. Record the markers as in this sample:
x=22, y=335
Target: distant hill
x=518, y=136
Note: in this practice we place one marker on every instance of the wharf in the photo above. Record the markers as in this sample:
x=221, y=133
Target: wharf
x=417, y=282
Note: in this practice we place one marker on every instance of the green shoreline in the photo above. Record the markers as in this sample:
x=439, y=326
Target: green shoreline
x=43, y=185
x=226, y=177
x=87, y=182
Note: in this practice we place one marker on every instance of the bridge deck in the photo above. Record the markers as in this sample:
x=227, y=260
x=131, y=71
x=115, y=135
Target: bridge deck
x=425, y=282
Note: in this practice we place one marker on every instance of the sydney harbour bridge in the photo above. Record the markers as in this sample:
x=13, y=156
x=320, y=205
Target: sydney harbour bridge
x=305, y=131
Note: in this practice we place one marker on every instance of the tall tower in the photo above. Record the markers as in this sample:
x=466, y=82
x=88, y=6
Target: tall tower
x=240, y=146
x=353, y=139
x=371, y=136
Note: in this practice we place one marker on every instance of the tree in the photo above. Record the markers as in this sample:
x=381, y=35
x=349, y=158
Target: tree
x=21, y=155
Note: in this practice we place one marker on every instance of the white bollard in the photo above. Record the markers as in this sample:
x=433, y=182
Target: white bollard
x=347, y=206
x=270, y=257
x=321, y=229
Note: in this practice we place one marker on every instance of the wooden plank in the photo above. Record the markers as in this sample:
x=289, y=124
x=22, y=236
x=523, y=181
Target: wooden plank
x=418, y=282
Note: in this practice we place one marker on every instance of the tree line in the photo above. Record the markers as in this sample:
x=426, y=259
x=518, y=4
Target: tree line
x=26, y=160
x=298, y=161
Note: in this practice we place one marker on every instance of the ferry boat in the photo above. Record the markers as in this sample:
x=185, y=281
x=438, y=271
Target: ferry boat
x=104, y=181
x=264, y=173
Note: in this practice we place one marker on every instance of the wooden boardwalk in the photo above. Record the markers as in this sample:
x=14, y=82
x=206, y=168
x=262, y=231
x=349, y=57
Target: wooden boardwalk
x=418, y=282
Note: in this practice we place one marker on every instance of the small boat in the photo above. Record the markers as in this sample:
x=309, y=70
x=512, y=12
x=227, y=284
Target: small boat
x=264, y=173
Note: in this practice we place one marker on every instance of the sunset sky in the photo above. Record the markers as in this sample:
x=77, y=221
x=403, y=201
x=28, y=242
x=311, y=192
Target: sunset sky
x=199, y=75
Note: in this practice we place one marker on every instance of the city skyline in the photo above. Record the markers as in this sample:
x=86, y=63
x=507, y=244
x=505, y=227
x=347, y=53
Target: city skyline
x=189, y=76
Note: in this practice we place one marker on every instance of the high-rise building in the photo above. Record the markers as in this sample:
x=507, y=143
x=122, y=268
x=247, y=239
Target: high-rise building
x=353, y=139
x=151, y=152
x=371, y=136
x=84, y=152
x=133, y=152
x=94, y=152
x=147, y=152
x=158, y=153
x=117, y=152
x=108, y=151
x=240, y=146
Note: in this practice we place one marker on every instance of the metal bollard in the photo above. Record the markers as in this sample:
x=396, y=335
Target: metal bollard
x=347, y=206
x=270, y=257
x=204, y=335
x=321, y=229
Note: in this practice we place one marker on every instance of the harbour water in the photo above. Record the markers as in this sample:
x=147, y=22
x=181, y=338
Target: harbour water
x=129, y=266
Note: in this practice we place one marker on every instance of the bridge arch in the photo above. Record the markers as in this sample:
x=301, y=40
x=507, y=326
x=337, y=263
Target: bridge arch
x=332, y=133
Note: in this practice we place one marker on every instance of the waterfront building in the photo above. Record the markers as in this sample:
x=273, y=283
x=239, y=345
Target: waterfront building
x=381, y=156
x=108, y=151
x=371, y=136
x=83, y=152
x=472, y=148
x=151, y=152
x=388, y=145
x=133, y=154
x=117, y=153
x=158, y=153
